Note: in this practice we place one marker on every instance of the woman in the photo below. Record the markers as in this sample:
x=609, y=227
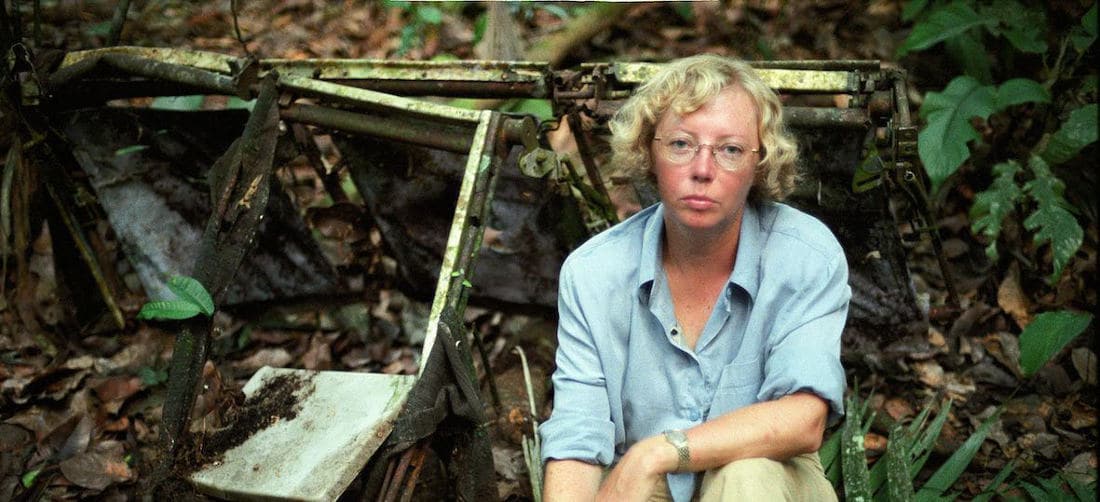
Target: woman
x=702, y=335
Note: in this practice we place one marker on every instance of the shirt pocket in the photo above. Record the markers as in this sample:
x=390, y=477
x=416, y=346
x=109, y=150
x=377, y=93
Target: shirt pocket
x=737, y=386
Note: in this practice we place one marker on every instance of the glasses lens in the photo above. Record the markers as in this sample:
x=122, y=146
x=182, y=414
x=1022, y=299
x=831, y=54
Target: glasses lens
x=679, y=150
x=730, y=156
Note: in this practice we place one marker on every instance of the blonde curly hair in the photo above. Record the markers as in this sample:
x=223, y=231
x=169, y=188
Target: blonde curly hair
x=684, y=86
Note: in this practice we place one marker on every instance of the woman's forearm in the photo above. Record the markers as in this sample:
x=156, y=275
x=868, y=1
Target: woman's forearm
x=570, y=480
x=779, y=430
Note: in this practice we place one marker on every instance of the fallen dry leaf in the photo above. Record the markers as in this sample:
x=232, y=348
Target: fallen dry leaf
x=98, y=469
x=1012, y=299
x=929, y=372
x=276, y=358
x=1084, y=361
x=1005, y=348
x=114, y=391
x=898, y=408
x=875, y=444
x=319, y=355
x=1082, y=416
x=936, y=338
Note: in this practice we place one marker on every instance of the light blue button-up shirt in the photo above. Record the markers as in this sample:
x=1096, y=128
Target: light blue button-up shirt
x=622, y=375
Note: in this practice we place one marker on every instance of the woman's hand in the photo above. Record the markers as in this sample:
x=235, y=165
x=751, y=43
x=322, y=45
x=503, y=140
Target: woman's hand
x=639, y=471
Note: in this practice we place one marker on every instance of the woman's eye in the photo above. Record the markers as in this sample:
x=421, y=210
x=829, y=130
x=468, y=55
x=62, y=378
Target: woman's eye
x=679, y=144
x=730, y=150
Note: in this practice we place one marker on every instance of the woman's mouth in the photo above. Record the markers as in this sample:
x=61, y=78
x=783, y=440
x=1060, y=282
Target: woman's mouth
x=698, y=202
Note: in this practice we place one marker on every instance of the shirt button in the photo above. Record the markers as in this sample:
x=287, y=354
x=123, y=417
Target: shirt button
x=695, y=416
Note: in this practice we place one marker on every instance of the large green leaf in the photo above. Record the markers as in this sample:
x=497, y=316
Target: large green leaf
x=1052, y=220
x=1046, y=335
x=950, y=471
x=971, y=56
x=1078, y=131
x=1019, y=91
x=1022, y=26
x=992, y=205
x=169, y=309
x=189, y=289
x=1084, y=35
x=912, y=9
x=941, y=24
x=942, y=144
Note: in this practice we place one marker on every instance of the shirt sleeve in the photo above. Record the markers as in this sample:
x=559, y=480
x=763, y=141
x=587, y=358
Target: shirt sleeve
x=580, y=426
x=804, y=352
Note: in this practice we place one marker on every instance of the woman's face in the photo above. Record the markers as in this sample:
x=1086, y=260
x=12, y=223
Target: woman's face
x=700, y=195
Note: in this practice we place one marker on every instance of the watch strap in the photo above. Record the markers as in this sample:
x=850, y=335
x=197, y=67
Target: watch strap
x=678, y=440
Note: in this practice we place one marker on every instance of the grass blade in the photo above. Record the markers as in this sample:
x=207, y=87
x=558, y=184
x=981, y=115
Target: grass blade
x=950, y=471
x=923, y=448
x=829, y=452
x=1000, y=478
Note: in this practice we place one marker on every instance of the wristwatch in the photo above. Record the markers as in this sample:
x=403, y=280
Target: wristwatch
x=679, y=440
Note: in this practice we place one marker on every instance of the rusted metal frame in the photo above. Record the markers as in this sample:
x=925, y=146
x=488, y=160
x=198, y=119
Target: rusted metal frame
x=869, y=65
x=848, y=118
x=202, y=60
x=186, y=75
x=405, y=130
x=467, y=225
x=470, y=78
x=448, y=88
x=330, y=180
x=418, y=465
x=413, y=457
x=585, y=150
x=471, y=70
x=452, y=78
x=368, y=99
x=905, y=153
x=783, y=80
x=239, y=183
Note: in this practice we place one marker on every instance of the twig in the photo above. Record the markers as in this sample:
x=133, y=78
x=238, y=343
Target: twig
x=117, y=22
x=532, y=448
x=237, y=27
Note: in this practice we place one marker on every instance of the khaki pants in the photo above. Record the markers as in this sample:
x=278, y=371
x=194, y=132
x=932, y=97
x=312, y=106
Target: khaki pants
x=760, y=479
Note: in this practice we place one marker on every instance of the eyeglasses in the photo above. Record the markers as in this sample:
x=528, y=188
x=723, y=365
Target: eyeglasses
x=683, y=149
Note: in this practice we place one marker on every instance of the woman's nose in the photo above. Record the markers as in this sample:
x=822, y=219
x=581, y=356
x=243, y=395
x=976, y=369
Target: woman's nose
x=703, y=166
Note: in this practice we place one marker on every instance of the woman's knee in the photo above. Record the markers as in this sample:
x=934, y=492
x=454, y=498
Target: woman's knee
x=746, y=479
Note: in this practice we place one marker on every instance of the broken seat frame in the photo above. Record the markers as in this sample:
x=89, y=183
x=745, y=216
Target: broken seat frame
x=360, y=97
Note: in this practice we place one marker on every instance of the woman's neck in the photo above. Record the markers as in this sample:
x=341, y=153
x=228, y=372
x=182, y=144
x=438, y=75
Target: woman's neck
x=694, y=253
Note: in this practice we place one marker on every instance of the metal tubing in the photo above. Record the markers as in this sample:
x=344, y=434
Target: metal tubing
x=799, y=116
x=449, y=88
x=363, y=98
x=811, y=64
x=152, y=68
x=468, y=224
x=586, y=153
x=434, y=135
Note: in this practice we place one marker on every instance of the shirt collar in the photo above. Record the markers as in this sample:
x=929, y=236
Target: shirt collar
x=651, y=250
x=746, y=270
